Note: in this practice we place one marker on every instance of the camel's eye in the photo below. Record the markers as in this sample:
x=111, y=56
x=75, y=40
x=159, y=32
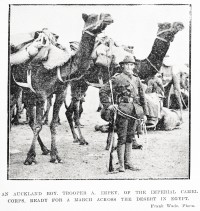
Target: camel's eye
x=93, y=19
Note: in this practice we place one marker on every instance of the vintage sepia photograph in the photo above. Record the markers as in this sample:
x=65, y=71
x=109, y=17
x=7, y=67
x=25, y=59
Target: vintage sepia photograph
x=99, y=92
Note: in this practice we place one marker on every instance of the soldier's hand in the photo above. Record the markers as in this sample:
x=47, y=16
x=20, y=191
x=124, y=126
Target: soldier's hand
x=145, y=118
x=113, y=107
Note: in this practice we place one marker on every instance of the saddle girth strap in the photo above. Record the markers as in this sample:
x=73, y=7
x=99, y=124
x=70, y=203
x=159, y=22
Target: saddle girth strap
x=28, y=84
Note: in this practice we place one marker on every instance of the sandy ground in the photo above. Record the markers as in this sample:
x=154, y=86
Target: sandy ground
x=165, y=154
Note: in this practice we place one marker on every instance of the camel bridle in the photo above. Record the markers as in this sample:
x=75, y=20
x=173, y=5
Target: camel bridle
x=97, y=24
x=164, y=40
x=166, y=30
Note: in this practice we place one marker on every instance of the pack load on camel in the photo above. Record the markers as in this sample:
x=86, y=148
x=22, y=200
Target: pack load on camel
x=46, y=82
x=35, y=46
x=104, y=54
x=52, y=54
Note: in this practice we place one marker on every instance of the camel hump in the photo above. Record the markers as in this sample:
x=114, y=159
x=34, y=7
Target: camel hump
x=59, y=54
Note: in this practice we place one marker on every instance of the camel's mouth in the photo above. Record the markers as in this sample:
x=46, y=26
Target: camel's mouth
x=178, y=26
x=108, y=21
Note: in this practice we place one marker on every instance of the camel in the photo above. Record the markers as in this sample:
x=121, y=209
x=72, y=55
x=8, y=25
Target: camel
x=147, y=68
x=172, y=83
x=177, y=91
x=19, y=56
x=45, y=82
x=170, y=120
x=15, y=103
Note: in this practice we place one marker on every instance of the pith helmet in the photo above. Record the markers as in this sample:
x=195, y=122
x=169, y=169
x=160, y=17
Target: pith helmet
x=128, y=59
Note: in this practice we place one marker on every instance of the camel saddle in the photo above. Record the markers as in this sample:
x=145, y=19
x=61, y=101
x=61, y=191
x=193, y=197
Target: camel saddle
x=106, y=53
x=52, y=55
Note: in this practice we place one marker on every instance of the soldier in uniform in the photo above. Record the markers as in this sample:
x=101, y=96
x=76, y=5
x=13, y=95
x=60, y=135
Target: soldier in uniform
x=129, y=99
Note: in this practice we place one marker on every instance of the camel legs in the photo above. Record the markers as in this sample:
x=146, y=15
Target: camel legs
x=46, y=115
x=73, y=109
x=177, y=92
x=166, y=101
x=36, y=126
x=16, y=105
x=78, y=110
x=175, y=85
x=54, y=123
x=100, y=104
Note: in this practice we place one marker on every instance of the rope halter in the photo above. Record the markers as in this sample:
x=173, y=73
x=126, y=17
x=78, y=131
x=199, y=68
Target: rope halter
x=159, y=33
x=98, y=23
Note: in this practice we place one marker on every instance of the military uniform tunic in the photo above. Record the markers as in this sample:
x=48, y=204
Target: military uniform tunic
x=128, y=93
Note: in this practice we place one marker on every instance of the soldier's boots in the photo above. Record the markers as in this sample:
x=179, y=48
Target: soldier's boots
x=127, y=158
x=120, y=154
x=136, y=145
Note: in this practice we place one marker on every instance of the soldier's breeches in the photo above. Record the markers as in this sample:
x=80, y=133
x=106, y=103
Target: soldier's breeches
x=125, y=130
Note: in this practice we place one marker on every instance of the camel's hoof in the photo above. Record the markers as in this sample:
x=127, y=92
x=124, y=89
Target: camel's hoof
x=83, y=143
x=107, y=148
x=46, y=152
x=29, y=162
x=56, y=160
x=33, y=163
x=76, y=141
x=137, y=147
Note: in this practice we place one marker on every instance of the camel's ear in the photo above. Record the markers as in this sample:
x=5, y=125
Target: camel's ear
x=85, y=17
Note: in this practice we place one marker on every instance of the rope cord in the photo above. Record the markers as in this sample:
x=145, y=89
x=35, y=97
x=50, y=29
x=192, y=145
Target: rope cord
x=183, y=99
x=152, y=65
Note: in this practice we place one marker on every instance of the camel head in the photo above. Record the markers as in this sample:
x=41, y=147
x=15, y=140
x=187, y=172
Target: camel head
x=167, y=30
x=95, y=24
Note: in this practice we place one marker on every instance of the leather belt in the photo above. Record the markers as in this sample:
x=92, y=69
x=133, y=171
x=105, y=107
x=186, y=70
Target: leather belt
x=126, y=100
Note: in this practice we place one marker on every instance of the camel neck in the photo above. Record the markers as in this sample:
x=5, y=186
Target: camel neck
x=81, y=59
x=158, y=52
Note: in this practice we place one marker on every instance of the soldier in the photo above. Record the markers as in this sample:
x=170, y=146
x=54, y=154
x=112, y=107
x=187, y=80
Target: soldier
x=129, y=98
